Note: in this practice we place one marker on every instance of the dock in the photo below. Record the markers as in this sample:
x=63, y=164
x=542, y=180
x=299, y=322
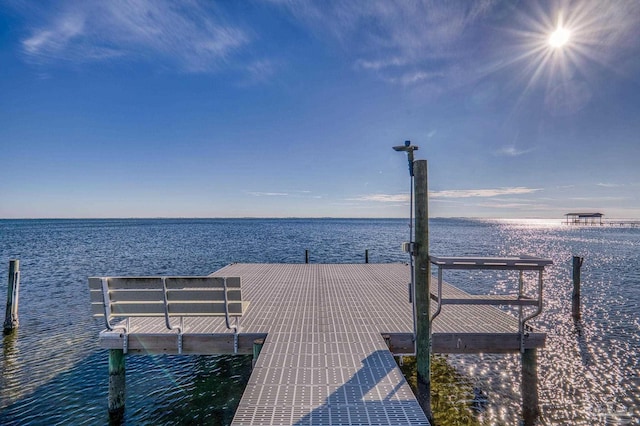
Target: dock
x=330, y=333
x=593, y=219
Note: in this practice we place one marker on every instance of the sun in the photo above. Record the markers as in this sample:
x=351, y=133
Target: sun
x=560, y=37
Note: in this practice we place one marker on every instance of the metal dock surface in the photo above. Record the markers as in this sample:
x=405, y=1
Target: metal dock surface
x=324, y=359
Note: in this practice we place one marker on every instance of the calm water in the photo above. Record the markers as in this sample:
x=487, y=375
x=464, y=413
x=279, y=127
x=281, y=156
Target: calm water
x=54, y=373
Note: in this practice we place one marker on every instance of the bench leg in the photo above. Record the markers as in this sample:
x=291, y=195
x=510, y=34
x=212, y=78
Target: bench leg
x=116, y=385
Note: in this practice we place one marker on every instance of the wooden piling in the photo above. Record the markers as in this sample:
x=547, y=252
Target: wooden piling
x=530, y=402
x=366, y=256
x=257, y=347
x=306, y=256
x=422, y=276
x=116, y=384
x=13, y=290
x=387, y=340
x=575, y=296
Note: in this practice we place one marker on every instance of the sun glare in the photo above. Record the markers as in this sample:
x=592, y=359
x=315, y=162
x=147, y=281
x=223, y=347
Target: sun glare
x=559, y=37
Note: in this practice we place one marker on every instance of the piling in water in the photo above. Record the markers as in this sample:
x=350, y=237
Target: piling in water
x=530, y=403
x=116, y=384
x=575, y=297
x=257, y=347
x=387, y=340
x=422, y=274
x=13, y=290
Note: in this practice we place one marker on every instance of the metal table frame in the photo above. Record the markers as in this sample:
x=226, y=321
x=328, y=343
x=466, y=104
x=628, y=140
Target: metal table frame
x=511, y=263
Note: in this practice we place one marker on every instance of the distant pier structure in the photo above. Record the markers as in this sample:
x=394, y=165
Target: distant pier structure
x=592, y=219
x=584, y=218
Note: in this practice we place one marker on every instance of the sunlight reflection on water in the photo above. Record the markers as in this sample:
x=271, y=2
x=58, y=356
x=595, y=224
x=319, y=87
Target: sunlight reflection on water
x=588, y=370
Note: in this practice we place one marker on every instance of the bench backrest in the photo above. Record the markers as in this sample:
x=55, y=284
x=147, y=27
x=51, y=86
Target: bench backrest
x=185, y=296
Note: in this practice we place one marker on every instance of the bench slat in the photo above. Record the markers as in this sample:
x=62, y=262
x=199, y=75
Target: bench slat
x=157, y=295
x=186, y=309
x=150, y=283
x=119, y=296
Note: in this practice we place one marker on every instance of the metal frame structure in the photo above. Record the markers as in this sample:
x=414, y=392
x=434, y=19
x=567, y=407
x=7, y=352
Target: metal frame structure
x=516, y=263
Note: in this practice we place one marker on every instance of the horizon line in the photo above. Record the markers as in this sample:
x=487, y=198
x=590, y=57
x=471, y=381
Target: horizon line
x=278, y=217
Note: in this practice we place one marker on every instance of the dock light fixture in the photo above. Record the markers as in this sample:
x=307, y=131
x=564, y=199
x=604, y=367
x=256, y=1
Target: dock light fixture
x=408, y=148
x=410, y=246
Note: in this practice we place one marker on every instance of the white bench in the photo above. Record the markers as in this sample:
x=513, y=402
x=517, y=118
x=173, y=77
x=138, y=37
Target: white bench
x=118, y=298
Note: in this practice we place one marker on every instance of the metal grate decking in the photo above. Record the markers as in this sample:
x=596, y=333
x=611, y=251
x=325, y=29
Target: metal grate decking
x=324, y=360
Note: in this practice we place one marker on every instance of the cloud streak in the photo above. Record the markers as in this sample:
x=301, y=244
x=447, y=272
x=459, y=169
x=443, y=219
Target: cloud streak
x=191, y=36
x=610, y=185
x=409, y=43
x=268, y=194
x=483, y=193
x=512, y=151
x=452, y=193
x=383, y=198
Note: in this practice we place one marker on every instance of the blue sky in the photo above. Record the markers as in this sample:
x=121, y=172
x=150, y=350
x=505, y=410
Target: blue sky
x=153, y=108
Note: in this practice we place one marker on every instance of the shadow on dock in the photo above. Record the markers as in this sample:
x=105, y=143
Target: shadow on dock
x=356, y=403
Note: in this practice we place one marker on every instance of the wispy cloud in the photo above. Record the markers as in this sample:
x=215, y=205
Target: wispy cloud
x=512, y=151
x=601, y=199
x=261, y=70
x=296, y=193
x=472, y=193
x=383, y=198
x=516, y=206
x=379, y=64
x=404, y=42
x=453, y=193
x=268, y=194
x=192, y=36
x=610, y=185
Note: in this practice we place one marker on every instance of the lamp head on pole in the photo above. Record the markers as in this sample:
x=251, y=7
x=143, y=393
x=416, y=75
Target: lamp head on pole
x=408, y=148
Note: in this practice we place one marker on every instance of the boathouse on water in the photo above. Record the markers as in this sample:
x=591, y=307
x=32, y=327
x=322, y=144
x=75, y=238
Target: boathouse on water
x=584, y=218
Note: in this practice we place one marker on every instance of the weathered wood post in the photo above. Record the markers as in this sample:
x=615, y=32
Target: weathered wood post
x=306, y=256
x=366, y=256
x=387, y=340
x=13, y=290
x=116, y=384
x=575, y=296
x=530, y=403
x=257, y=347
x=422, y=291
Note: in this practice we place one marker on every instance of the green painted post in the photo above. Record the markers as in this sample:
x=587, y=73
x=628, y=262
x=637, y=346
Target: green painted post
x=422, y=291
x=575, y=296
x=13, y=290
x=257, y=347
x=306, y=256
x=387, y=340
x=530, y=403
x=366, y=256
x=116, y=384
